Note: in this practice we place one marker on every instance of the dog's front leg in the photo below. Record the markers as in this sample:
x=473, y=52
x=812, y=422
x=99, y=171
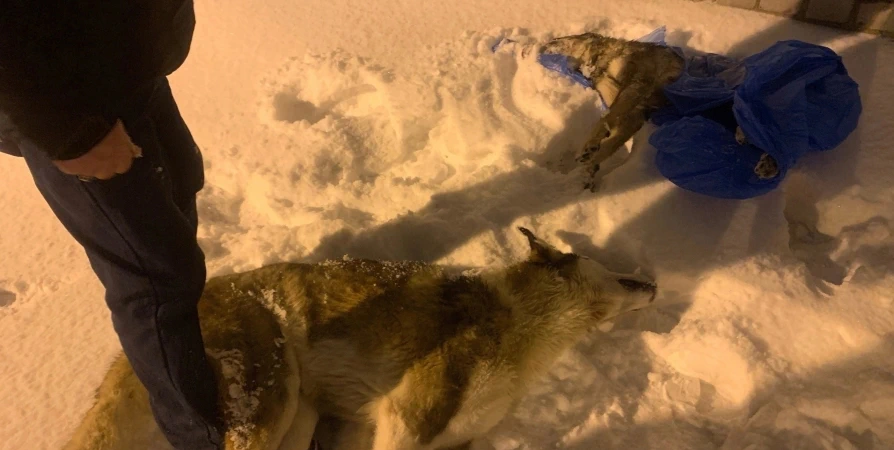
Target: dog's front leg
x=336, y=434
x=391, y=431
x=625, y=117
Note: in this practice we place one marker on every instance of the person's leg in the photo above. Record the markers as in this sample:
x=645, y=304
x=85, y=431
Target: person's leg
x=139, y=232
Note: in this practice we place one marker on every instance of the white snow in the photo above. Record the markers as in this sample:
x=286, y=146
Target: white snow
x=389, y=130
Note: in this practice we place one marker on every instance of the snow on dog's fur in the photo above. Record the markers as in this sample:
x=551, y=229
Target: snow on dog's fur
x=390, y=355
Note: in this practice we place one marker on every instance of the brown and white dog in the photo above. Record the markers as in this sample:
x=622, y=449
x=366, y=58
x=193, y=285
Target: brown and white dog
x=393, y=356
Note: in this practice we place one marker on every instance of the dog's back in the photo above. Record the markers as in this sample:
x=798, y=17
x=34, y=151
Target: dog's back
x=613, y=64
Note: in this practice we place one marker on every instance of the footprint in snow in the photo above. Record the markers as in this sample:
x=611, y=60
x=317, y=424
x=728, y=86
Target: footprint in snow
x=7, y=298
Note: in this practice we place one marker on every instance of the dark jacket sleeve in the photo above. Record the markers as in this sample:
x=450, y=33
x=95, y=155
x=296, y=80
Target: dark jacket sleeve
x=67, y=67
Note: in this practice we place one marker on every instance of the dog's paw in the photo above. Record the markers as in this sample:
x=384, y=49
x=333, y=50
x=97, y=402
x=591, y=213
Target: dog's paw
x=587, y=154
x=593, y=177
x=767, y=168
x=590, y=148
x=593, y=181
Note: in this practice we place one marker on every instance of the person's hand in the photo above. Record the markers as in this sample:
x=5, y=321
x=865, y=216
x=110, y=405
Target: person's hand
x=113, y=155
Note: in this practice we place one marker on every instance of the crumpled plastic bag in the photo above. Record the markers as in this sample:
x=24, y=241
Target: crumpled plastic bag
x=790, y=99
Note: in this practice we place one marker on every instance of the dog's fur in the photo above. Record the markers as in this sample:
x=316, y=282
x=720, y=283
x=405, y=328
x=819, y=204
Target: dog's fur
x=394, y=356
x=630, y=77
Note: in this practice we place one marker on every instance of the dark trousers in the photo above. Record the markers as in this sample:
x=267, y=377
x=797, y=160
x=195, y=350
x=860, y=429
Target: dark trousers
x=139, y=232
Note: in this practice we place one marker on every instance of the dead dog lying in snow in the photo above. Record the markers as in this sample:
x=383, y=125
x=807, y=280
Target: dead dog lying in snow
x=396, y=356
x=630, y=77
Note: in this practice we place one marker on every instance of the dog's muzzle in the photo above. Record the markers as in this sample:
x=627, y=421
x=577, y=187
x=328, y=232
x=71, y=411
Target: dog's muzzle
x=639, y=286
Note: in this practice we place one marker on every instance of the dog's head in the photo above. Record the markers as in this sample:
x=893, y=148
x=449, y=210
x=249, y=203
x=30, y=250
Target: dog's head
x=611, y=294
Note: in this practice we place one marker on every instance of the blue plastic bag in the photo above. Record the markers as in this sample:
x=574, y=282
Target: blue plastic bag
x=707, y=83
x=797, y=97
x=701, y=155
x=559, y=63
x=789, y=99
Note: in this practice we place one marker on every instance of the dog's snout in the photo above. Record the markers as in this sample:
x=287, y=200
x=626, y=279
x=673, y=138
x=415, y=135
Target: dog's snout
x=639, y=286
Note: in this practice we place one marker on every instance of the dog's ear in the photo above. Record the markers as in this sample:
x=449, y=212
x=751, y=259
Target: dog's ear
x=542, y=252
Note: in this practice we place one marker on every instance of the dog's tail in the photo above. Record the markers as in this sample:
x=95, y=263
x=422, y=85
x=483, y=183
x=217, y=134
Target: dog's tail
x=121, y=418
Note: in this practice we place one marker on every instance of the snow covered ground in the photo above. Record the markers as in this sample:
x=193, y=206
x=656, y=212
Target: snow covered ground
x=389, y=130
